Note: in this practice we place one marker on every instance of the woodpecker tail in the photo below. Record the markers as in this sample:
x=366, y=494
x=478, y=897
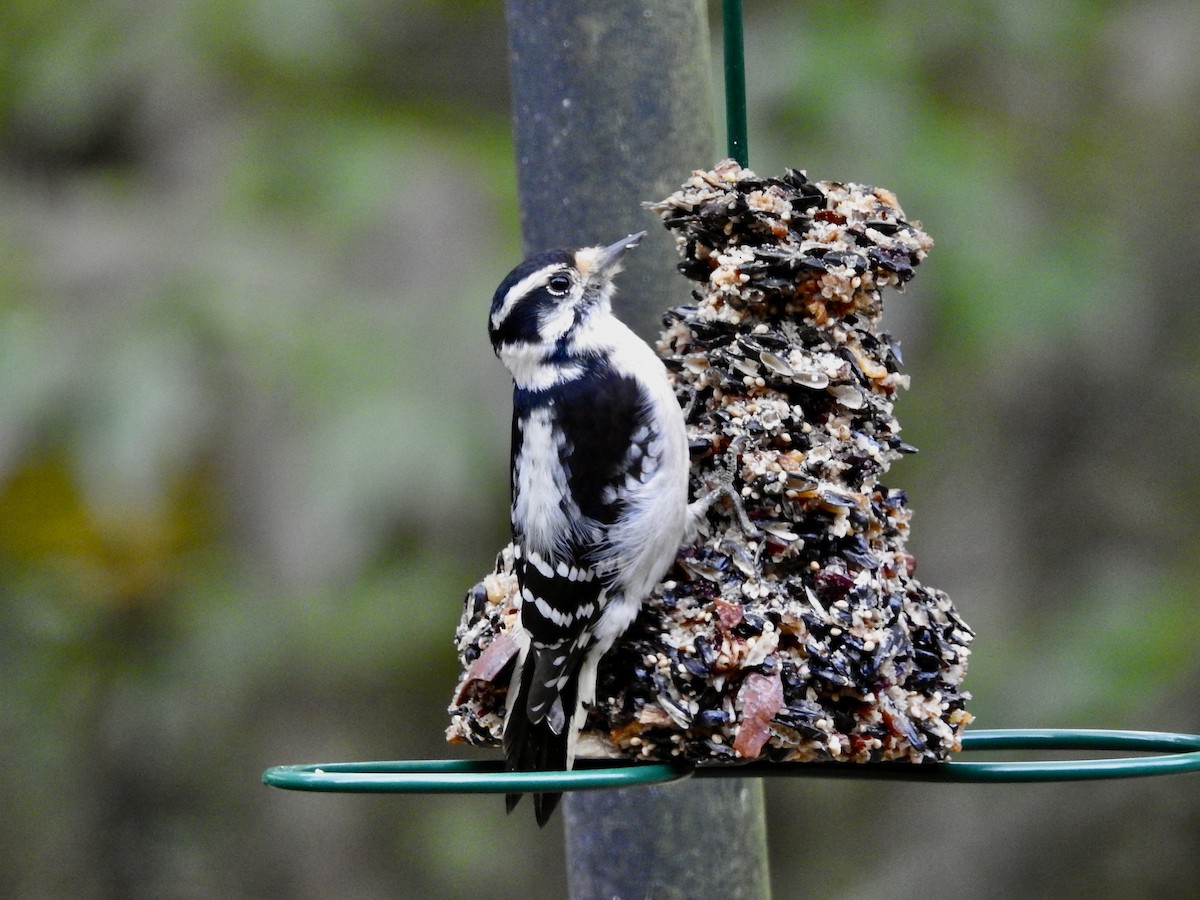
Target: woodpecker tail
x=537, y=739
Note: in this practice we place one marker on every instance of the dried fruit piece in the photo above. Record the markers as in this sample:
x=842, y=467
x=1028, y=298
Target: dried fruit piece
x=760, y=698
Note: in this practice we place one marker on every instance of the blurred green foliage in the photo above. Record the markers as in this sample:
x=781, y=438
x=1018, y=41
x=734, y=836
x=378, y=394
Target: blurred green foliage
x=253, y=443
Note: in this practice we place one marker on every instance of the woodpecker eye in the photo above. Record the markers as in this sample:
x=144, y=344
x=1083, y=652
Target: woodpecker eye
x=559, y=284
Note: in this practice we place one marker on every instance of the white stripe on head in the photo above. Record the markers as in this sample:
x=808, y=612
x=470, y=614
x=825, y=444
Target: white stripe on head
x=521, y=288
x=559, y=321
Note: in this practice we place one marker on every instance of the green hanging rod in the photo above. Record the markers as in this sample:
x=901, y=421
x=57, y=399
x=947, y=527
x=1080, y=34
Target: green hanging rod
x=1182, y=755
x=735, y=82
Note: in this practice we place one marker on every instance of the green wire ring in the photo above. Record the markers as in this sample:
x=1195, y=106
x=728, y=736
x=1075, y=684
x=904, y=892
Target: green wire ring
x=1183, y=756
x=487, y=776
x=465, y=776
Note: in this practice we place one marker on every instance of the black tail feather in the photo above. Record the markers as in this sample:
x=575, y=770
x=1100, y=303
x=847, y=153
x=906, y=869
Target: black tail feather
x=543, y=806
x=534, y=746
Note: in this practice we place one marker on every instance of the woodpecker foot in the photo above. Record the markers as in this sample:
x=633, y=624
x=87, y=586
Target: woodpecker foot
x=698, y=509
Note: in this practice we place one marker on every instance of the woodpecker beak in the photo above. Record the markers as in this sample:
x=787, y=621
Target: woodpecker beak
x=607, y=260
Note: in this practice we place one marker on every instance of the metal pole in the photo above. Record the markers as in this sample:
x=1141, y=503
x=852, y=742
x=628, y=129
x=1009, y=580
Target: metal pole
x=612, y=106
x=696, y=839
x=735, y=81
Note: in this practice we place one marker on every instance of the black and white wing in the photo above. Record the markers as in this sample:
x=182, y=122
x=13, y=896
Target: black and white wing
x=576, y=451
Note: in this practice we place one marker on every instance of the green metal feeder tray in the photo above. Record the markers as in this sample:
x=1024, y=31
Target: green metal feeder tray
x=1179, y=753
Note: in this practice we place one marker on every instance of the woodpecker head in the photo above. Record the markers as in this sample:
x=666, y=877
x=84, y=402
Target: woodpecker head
x=545, y=301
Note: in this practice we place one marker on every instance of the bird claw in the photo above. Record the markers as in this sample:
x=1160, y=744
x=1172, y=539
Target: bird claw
x=698, y=509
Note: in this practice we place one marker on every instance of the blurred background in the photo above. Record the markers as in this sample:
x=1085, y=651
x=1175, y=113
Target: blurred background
x=253, y=441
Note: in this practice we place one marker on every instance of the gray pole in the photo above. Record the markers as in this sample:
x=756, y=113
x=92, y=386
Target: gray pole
x=612, y=103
